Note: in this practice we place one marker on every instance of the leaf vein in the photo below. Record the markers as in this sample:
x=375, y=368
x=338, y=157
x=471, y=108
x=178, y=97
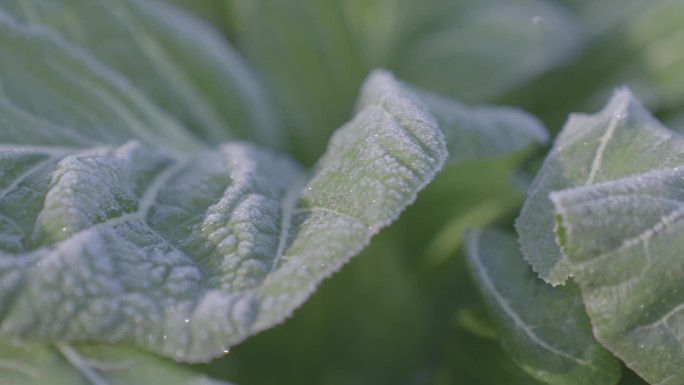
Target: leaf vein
x=81, y=365
x=605, y=139
x=527, y=329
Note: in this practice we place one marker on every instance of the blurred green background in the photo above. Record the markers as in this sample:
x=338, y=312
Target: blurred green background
x=405, y=311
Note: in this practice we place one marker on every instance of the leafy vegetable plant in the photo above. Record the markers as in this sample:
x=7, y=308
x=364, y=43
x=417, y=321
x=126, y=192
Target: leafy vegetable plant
x=165, y=196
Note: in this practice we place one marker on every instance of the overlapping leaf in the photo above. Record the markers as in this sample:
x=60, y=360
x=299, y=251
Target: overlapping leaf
x=188, y=255
x=118, y=225
x=545, y=329
x=620, y=141
x=612, y=188
x=623, y=239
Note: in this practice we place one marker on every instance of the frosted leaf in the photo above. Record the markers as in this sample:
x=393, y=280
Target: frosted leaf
x=621, y=140
x=188, y=255
x=614, y=189
x=623, y=240
x=372, y=169
x=119, y=226
x=125, y=244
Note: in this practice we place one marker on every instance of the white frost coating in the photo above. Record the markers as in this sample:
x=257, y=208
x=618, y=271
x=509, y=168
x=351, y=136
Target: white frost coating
x=17, y=180
x=287, y=210
x=649, y=189
x=621, y=140
x=623, y=240
x=372, y=169
x=618, y=107
x=84, y=189
x=186, y=256
x=136, y=254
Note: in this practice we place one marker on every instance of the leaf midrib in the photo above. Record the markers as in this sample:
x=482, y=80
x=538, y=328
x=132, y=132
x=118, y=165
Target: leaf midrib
x=503, y=303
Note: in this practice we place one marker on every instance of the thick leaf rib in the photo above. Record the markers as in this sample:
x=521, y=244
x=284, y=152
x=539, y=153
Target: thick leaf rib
x=545, y=329
x=621, y=140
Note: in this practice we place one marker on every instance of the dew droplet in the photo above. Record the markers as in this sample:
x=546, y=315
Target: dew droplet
x=187, y=321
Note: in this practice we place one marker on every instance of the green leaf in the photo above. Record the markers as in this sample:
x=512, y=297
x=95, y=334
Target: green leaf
x=313, y=54
x=52, y=93
x=477, y=360
x=482, y=131
x=621, y=140
x=545, y=329
x=371, y=170
x=213, y=11
x=91, y=365
x=450, y=46
x=131, y=245
x=623, y=239
x=182, y=65
x=188, y=255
